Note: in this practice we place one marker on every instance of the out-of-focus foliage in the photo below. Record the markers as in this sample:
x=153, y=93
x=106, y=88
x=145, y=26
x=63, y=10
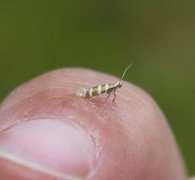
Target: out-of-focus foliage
x=157, y=36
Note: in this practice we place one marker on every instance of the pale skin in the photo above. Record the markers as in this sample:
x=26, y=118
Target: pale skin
x=47, y=132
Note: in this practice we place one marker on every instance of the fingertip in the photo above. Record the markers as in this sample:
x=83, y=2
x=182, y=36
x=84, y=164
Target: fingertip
x=133, y=139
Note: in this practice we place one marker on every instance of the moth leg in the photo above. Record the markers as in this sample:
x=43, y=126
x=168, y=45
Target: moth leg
x=114, y=99
x=91, y=98
x=109, y=95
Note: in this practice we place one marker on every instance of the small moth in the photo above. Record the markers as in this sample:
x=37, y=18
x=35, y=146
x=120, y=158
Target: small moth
x=108, y=88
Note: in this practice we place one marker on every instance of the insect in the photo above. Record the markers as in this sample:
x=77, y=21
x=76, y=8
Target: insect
x=108, y=88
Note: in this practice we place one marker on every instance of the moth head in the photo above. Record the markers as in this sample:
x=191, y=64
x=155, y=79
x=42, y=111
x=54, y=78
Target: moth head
x=118, y=84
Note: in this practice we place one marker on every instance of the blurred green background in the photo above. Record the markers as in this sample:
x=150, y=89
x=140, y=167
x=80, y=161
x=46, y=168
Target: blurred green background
x=157, y=36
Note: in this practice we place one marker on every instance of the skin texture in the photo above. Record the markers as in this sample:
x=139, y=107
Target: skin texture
x=46, y=131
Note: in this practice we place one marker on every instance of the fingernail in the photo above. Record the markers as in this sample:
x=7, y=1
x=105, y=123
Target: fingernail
x=55, y=144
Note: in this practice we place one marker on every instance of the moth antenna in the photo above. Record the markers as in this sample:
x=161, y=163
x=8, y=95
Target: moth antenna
x=125, y=71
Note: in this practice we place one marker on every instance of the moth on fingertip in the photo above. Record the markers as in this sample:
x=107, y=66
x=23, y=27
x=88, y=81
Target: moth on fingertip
x=108, y=88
